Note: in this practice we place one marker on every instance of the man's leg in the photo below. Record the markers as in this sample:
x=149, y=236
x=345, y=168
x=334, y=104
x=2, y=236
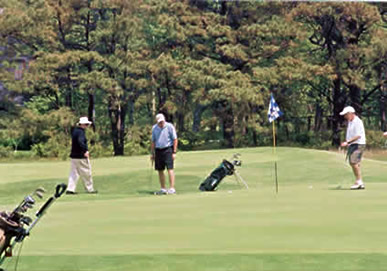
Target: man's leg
x=73, y=176
x=356, y=171
x=160, y=166
x=162, y=179
x=171, y=175
x=85, y=172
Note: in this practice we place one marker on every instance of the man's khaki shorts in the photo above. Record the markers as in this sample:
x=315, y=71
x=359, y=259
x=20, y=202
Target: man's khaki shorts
x=355, y=153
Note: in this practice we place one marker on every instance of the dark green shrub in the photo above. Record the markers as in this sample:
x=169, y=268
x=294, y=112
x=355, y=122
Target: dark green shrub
x=5, y=151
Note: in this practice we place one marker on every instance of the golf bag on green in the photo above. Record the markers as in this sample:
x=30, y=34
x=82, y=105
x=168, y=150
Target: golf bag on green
x=16, y=225
x=225, y=168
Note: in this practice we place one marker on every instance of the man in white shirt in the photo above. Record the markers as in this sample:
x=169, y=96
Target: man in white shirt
x=356, y=141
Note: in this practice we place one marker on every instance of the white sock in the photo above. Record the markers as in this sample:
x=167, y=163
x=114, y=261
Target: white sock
x=359, y=181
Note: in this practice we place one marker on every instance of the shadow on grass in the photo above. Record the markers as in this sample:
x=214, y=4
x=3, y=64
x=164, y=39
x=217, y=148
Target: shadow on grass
x=145, y=192
x=344, y=188
x=339, y=188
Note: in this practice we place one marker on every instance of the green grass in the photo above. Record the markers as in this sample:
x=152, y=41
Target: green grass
x=308, y=225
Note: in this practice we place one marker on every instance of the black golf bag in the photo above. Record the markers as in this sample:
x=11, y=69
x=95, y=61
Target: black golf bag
x=213, y=180
x=16, y=225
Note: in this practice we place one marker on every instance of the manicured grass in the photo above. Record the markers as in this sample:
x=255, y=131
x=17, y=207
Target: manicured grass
x=313, y=223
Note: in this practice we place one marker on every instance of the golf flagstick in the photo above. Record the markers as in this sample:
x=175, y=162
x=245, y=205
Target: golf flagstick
x=273, y=113
x=275, y=158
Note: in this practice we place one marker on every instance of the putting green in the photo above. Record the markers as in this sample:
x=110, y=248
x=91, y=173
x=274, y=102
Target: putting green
x=309, y=225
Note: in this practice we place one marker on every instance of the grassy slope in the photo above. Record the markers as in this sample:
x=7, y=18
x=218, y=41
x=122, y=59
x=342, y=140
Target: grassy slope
x=309, y=225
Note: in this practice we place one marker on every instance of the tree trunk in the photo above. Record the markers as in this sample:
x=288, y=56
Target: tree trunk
x=161, y=95
x=117, y=120
x=383, y=92
x=228, y=128
x=88, y=28
x=382, y=102
x=197, y=117
x=91, y=110
x=355, y=98
x=131, y=112
x=255, y=138
x=180, y=122
x=318, y=117
x=69, y=92
x=69, y=99
x=338, y=105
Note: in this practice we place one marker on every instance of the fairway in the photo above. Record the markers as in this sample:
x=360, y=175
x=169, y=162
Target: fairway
x=313, y=223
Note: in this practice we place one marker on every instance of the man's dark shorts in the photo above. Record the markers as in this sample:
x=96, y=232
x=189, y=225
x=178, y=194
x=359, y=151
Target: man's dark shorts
x=164, y=158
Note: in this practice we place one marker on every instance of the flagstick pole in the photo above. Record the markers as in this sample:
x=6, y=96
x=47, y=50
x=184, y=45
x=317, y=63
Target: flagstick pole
x=273, y=137
x=275, y=159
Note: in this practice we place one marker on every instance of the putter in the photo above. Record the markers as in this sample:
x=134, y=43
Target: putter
x=343, y=153
x=150, y=175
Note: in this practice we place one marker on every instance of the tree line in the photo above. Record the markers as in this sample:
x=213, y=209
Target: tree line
x=209, y=66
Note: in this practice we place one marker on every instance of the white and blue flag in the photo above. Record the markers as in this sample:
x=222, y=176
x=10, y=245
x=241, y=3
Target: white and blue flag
x=274, y=112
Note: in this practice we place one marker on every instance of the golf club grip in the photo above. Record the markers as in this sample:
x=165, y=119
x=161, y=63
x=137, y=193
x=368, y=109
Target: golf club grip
x=60, y=189
x=45, y=206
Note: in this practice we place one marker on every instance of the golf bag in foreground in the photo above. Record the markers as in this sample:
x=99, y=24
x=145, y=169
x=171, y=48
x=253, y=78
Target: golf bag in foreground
x=15, y=226
x=226, y=168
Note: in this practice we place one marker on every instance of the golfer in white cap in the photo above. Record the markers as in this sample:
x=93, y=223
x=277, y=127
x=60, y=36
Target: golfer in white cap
x=356, y=141
x=80, y=163
x=164, y=148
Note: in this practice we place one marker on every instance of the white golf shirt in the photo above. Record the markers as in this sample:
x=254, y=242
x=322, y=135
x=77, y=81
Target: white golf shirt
x=356, y=128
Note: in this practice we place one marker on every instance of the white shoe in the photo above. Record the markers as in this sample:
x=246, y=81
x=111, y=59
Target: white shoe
x=357, y=186
x=162, y=191
x=171, y=191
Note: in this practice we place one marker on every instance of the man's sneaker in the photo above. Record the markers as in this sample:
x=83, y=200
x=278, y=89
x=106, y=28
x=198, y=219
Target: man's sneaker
x=162, y=191
x=357, y=186
x=71, y=193
x=93, y=192
x=171, y=191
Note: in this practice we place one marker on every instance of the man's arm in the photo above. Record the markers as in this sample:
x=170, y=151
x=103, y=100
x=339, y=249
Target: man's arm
x=152, y=150
x=346, y=143
x=174, y=150
x=175, y=145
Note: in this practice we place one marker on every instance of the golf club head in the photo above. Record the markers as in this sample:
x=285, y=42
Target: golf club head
x=29, y=200
x=28, y=205
x=26, y=220
x=23, y=209
x=236, y=156
x=39, y=192
x=237, y=163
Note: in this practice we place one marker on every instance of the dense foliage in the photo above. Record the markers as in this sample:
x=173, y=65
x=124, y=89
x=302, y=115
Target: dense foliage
x=209, y=66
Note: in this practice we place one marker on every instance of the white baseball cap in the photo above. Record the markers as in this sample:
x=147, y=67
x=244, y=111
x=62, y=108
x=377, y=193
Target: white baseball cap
x=347, y=109
x=84, y=120
x=160, y=117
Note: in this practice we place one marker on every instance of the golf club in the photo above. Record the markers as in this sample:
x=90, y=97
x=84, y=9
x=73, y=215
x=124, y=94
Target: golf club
x=12, y=225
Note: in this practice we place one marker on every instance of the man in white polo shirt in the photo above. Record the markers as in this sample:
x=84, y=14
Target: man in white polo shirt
x=164, y=148
x=356, y=141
